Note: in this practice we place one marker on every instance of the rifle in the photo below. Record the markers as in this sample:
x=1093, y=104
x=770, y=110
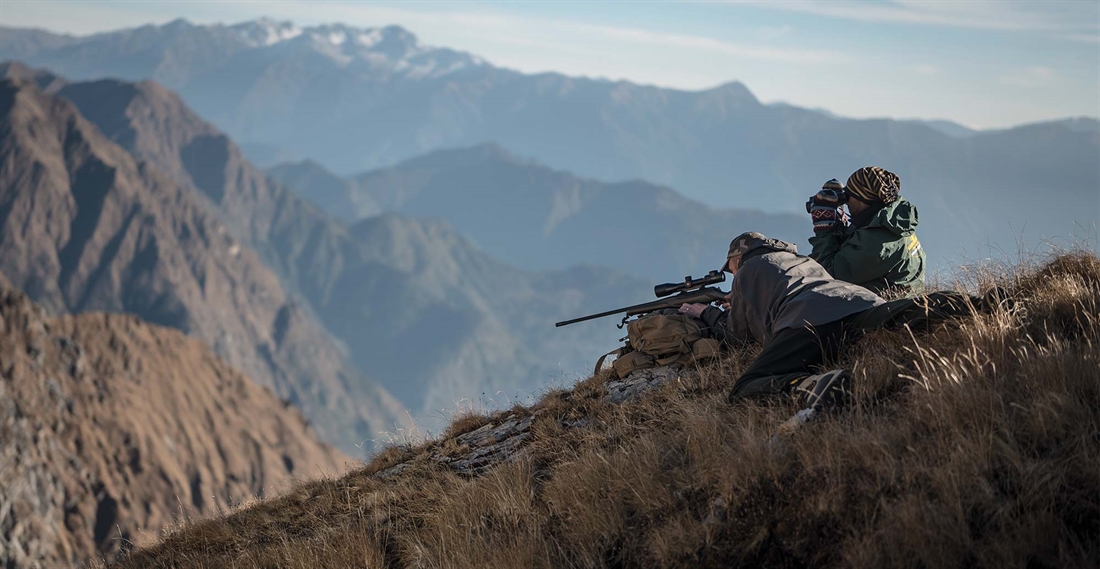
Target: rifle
x=690, y=291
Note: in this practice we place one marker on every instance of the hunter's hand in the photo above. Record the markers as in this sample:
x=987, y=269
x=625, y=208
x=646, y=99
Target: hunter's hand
x=726, y=303
x=825, y=210
x=693, y=310
x=827, y=198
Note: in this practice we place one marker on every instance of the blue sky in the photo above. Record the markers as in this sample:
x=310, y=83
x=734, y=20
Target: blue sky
x=982, y=64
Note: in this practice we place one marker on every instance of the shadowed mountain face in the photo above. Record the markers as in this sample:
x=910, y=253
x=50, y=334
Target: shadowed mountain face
x=533, y=217
x=417, y=305
x=112, y=429
x=354, y=99
x=294, y=238
x=85, y=226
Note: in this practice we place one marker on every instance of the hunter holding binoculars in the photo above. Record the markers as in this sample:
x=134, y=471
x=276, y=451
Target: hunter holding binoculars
x=876, y=247
x=805, y=310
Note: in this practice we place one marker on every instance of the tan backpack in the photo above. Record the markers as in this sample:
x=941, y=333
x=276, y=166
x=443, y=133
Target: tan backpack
x=661, y=339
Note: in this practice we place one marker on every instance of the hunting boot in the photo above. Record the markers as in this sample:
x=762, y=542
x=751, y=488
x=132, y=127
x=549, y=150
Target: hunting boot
x=816, y=394
x=824, y=391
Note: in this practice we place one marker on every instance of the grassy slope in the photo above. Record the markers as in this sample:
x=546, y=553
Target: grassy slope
x=975, y=445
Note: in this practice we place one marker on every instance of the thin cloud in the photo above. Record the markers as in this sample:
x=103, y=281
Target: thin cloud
x=522, y=30
x=701, y=43
x=1086, y=38
x=769, y=33
x=1075, y=21
x=1035, y=76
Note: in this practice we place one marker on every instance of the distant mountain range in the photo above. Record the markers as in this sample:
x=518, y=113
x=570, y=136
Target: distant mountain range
x=537, y=218
x=84, y=225
x=113, y=429
x=354, y=99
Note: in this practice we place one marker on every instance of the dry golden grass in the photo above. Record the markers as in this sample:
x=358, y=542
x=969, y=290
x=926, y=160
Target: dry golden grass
x=976, y=445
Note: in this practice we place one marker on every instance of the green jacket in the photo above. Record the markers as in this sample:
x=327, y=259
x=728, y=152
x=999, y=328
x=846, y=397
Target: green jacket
x=881, y=254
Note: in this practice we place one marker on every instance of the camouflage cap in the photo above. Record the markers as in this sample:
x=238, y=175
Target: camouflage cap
x=739, y=245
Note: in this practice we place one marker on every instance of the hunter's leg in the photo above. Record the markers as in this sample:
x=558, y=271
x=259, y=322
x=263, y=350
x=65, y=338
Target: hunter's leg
x=788, y=359
x=919, y=312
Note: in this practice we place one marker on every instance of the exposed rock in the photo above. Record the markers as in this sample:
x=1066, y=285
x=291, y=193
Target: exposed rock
x=492, y=434
x=638, y=383
x=504, y=439
x=484, y=458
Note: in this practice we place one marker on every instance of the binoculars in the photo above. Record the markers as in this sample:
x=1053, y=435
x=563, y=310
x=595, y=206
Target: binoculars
x=834, y=185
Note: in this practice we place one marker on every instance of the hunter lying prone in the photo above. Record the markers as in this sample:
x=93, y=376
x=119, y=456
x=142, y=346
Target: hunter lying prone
x=803, y=317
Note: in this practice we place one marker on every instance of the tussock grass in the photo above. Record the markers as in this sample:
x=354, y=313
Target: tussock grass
x=976, y=444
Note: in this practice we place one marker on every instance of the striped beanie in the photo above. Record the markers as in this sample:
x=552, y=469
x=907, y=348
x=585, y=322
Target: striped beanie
x=871, y=184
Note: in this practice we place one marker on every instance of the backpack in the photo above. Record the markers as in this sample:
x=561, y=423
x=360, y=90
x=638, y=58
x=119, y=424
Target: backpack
x=658, y=340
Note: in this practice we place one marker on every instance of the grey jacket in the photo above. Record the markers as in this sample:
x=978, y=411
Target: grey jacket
x=776, y=289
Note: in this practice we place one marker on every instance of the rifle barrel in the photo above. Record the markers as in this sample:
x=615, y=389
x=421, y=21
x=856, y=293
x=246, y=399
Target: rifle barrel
x=592, y=316
x=704, y=295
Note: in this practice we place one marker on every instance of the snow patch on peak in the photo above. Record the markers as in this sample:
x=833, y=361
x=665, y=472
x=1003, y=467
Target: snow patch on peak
x=337, y=37
x=422, y=70
x=369, y=38
x=267, y=32
x=391, y=48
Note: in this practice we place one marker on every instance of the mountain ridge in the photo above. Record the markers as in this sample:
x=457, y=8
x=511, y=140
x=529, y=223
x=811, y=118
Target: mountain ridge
x=720, y=146
x=539, y=218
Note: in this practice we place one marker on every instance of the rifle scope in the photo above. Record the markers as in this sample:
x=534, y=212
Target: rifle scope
x=663, y=290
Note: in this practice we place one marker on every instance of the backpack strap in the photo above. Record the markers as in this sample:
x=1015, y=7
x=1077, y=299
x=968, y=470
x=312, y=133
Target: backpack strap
x=599, y=362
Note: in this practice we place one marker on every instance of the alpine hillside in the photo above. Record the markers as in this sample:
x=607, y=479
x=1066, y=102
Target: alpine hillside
x=112, y=429
x=969, y=445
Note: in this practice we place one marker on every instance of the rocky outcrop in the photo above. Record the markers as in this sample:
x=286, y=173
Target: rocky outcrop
x=503, y=438
x=112, y=429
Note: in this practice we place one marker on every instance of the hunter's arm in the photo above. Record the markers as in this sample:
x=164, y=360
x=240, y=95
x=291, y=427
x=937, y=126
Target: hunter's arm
x=715, y=319
x=825, y=247
x=735, y=328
